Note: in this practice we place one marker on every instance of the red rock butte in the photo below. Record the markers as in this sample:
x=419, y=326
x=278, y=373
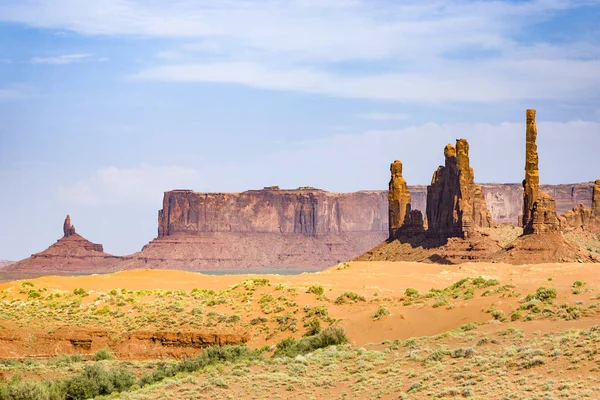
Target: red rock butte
x=71, y=253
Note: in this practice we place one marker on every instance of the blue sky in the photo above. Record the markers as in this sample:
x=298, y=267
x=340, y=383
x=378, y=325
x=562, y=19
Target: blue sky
x=105, y=104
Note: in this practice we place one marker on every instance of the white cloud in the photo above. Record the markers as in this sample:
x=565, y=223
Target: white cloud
x=5, y=61
x=380, y=116
x=144, y=184
x=65, y=59
x=361, y=161
x=413, y=50
x=498, y=81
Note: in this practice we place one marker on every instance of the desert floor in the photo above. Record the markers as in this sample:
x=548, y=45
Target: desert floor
x=489, y=331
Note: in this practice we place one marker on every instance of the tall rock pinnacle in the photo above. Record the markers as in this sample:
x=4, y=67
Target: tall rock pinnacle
x=398, y=198
x=68, y=229
x=539, y=209
x=596, y=199
x=402, y=219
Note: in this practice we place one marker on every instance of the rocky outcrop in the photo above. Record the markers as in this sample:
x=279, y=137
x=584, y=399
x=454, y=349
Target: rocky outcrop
x=71, y=253
x=581, y=217
x=68, y=229
x=402, y=219
x=455, y=204
x=539, y=208
x=596, y=199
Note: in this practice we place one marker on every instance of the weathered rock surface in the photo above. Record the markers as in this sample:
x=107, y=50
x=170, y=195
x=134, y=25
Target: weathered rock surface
x=402, y=219
x=307, y=228
x=455, y=204
x=141, y=344
x=541, y=241
x=581, y=217
x=71, y=253
x=68, y=229
x=539, y=208
x=596, y=199
x=308, y=212
x=5, y=263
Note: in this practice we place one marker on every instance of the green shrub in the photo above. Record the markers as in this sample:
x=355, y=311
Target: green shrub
x=313, y=326
x=316, y=289
x=440, y=301
x=80, y=292
x=352, y=296
x=102, y=354
x=211, y=356
x=17, y=389
x=411, y=292
x=542, y=294
x=290, y=347
x=382, y=311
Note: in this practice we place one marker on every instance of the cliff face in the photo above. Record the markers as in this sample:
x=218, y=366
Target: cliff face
x=309, y=212
x=307, y=228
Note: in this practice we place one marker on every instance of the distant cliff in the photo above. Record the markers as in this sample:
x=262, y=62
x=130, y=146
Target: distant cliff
x=505, y=200
x=309, y=212
x=306, y=227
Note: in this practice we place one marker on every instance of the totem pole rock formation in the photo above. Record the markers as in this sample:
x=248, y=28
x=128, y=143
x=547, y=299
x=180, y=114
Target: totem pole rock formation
x=402, y=220
x=455, y=206
x=539, y=209
x=68, y=229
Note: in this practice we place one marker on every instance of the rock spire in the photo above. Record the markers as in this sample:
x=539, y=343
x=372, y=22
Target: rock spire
x=402, y=219
x=68, y=229
x=455, y=204
x=539, y=209
x=596, y=199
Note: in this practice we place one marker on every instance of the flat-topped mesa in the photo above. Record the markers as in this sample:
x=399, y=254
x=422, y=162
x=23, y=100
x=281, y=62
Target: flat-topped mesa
x=68, y=229
x=539, y=209
x=402, y=219
x=455, y=204
x=596, y=199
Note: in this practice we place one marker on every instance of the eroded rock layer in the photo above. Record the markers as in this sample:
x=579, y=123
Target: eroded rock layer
x=455, y=204
x=307, y=228
x=581, y=217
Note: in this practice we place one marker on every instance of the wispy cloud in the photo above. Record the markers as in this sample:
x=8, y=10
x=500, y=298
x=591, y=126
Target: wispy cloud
x=380, y=116
x=411, y=50
x=494, y=81
x=65, y=59
x=15, y=92
x=142, y=184
x=5, y=61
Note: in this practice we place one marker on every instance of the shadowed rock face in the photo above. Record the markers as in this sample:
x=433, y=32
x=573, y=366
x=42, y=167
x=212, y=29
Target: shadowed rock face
x=402, y=219
x=455, y=204
x=539, y=208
